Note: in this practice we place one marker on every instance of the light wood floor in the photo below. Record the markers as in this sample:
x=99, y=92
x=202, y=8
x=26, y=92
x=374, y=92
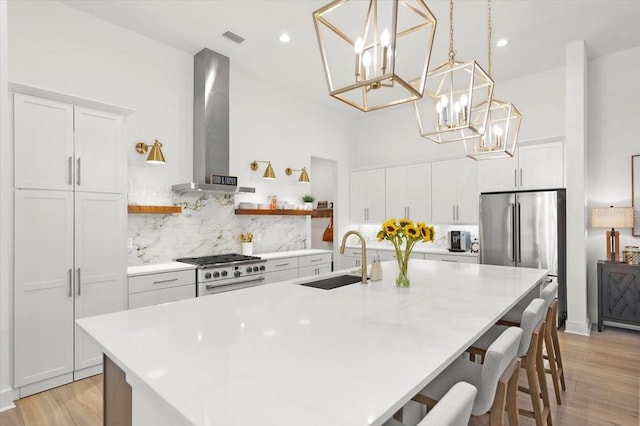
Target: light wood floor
x=602, y=374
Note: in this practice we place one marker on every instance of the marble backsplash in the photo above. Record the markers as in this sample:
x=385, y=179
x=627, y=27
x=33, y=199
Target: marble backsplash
x=208, y=225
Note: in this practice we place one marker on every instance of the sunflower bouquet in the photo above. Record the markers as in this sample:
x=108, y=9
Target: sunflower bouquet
x=404, y=234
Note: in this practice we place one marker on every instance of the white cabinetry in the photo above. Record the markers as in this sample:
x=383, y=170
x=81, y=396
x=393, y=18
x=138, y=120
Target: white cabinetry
x=161, y=287
x=281, y=269
x=452, y=257
x=367, y=196
x=61, y=146
x=455, y=191
x=532, y=167
x=408, y=192
x=314, y=265
x=70, y=237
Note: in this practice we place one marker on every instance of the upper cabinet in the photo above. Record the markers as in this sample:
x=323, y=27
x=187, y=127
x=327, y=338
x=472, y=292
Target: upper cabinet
x=408, y=192
x=367, y=196
x=71, y=148
x=455, y=191
x=532, y=167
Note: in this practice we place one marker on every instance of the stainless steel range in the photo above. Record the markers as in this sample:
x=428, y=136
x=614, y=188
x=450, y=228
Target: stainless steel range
x=226, y=272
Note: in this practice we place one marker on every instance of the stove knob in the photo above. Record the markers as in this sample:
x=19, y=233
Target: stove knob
x=216, y=274
x=255, y=269
x=223, y=273
x=249, y=269
x=236, y=274
x=262, y=268
x=207, y=275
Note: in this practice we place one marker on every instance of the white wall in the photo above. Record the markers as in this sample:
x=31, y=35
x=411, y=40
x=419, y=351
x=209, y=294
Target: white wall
x=58, y=48
x=613, y=127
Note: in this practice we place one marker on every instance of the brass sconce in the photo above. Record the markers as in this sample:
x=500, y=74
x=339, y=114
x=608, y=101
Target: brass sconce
x=304, y=176
x=155, y=155
x=268, y=172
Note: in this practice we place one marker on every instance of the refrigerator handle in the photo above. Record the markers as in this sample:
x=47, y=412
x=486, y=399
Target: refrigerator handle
x=511, y=247
x=519, y=259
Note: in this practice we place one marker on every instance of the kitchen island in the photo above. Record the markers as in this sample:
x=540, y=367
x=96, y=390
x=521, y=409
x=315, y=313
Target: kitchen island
x=287, y=354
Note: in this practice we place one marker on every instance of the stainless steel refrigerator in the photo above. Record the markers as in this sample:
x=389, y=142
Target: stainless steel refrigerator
x=526, y=229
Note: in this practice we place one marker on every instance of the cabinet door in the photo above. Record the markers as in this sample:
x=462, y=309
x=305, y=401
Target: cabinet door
x=375, y=196
x=309, y=271
x=396, y=190
x=100, y=161
x=498, y=175
x=43, y=141
x=443, y=191
x=101, y=269
x=620, y=293
x=541, y=166
x=277, y=276
x=43, y=285
x=468, y=201
x=419, y=192
x=358, y=196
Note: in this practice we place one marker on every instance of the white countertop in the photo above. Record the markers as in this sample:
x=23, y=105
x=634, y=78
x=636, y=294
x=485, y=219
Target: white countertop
x=291, y=253
x=156, y=268
x=286, y=354
x=418, y=248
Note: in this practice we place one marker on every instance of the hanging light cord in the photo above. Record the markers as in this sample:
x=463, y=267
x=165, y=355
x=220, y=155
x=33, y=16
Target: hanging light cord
x=490, y=34
x=452, y=53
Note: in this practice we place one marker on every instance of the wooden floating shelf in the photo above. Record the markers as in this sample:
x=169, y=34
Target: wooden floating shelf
x=154, y=209
x=322, y=213
x=273, y=212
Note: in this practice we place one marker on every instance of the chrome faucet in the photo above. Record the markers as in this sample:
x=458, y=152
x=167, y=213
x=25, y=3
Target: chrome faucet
x=363, y=269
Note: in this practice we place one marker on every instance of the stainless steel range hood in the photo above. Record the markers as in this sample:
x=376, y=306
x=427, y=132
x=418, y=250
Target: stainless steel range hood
x=210, y=125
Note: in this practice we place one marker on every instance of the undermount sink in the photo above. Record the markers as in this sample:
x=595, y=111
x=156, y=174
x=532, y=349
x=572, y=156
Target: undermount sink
x=334, y=282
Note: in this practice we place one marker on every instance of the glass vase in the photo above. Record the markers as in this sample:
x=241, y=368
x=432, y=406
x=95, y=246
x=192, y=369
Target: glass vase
x=402, y=279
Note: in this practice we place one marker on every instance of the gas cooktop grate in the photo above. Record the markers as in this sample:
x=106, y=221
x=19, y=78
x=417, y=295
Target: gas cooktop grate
x=217, y=259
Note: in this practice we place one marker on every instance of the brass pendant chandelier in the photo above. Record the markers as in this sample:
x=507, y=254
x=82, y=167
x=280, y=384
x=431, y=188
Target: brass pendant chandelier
x=503, y=123
x=375, y=53
x=458, y=101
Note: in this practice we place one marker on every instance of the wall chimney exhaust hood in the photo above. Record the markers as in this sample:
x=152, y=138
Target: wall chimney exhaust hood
x=211, y=126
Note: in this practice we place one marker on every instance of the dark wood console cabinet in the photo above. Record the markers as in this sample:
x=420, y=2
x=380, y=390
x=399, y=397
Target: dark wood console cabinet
x=618, y=293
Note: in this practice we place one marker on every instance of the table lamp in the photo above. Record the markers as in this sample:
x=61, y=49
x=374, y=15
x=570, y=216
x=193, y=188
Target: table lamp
x=612, y=217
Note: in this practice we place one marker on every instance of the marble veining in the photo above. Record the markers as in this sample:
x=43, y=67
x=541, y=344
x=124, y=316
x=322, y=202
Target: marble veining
x=208, y=225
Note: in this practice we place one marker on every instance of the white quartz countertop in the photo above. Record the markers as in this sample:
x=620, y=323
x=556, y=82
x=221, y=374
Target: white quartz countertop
x=418, y=248
x=287, y=354
x=156, y=268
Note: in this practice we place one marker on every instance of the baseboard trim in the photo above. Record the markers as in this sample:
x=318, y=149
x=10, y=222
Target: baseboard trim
x=87, y=372
x=576, y=327
x=7, y=396
x=44, y=385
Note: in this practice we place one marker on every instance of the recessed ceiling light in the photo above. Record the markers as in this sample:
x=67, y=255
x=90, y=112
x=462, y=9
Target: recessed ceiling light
x=284, y=38
x=502, y=42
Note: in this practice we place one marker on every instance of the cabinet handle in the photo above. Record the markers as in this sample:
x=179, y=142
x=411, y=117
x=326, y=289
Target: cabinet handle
x=457, y=212
x=79, y=166
x=279, y=265
x=316, y=260
x=79, y=283
x=453, y=212
x=357, y=263
x=521, y=184
x=70, y=282
x=165, y=281
x=70, y=170
x=515, y=178
x=448, y=260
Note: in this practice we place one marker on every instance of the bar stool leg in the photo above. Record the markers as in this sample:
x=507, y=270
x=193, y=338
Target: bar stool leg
x=556, y=345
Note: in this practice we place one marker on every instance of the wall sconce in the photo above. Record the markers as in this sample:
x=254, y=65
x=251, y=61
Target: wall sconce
x=612, y=217
x=155, y=156
x=268, y=172
x=304, y=176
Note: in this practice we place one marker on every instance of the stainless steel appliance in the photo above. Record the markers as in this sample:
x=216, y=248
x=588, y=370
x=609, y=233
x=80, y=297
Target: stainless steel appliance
x=526, y=229
x=458, y=241
x=226, y=272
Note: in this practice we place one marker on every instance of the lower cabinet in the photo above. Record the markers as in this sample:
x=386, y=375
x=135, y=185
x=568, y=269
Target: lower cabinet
x=618, y=293
x=314, y=265
x=162, y=287
x=288, y=268
x=462, y=258
x=78, y=243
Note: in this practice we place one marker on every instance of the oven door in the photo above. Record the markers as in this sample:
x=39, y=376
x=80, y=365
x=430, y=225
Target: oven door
x=212, y=287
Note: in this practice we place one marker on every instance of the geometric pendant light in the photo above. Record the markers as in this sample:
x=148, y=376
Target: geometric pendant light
x=375, y=54
x=503, y=124
x=456, y=101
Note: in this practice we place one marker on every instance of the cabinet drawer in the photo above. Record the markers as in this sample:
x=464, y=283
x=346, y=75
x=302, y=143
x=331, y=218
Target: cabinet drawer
x=281, y=264
x=451, y=258
x=391, y=255
x=162, y=280
x=316, y=260
x=283, y=275
x=164, y=295
x=309, y=271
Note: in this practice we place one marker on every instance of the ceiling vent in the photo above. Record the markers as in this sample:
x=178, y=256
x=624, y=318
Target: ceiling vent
x=233, y=37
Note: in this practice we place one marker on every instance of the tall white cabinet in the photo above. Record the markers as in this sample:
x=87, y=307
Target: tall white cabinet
x=408, y=192
x=367, y=196
x=455, y=195
x=70, y=236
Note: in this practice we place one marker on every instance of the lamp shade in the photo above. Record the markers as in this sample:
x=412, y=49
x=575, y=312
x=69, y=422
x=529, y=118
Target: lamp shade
x=612, y=217
x=155, y=155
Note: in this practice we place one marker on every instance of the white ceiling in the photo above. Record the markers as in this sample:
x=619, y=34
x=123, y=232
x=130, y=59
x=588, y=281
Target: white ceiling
x=538, y=31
